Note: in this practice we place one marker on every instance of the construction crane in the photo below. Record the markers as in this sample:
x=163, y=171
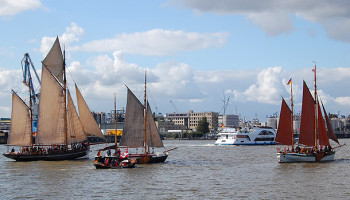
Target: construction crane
x=226, y=102
x=27, y=77
x=176, y=110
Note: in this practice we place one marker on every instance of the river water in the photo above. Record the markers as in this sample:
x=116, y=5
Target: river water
x=196, y=170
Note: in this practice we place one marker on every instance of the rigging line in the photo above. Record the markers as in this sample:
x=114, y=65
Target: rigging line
x=71, y=75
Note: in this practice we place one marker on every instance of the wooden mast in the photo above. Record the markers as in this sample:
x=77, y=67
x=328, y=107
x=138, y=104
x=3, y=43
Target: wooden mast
x=65, y=98
x=145, y=116
x=314, y=70
x=292, y=104
x=115, y=122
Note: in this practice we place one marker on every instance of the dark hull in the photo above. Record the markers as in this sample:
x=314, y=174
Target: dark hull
x=54, y=156
x=103, y=166
x=148, y=158
x=113, y=162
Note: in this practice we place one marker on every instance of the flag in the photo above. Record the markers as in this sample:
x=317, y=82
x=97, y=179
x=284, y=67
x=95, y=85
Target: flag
x=99, y=154
x=222, y=126
x=290, y=81
x=125, y=154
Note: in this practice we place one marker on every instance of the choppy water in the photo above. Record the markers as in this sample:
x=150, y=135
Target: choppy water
x=196, y=170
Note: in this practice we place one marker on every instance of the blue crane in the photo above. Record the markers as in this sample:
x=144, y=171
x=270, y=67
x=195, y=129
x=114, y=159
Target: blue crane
x=27, y=77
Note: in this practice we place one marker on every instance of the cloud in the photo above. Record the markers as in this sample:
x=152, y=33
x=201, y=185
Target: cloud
x=276, y=17
x=155, y=42
x=251, y=90
x=343, y=100
x=267, y=89
x=11, y=8
x=72, y=34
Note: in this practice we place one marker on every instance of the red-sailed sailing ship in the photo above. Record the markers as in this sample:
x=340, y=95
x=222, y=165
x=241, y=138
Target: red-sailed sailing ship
x=61, y=133
x=313, y=145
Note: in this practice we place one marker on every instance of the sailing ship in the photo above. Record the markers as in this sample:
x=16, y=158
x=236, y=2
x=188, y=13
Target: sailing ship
x=61, y=132
x=313, y=145
x=117, y=160
x=140, y=131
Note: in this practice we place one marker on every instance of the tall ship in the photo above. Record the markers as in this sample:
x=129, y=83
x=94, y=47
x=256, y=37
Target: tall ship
x=140, y=131
x=61, y=133
x=246, y=136
x=313, y=145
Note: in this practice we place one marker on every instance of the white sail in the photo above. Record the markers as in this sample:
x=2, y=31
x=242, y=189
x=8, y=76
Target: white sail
x=54, y=61
x=75, y=129
x=87, y=120
x=20, y=131
x=51, y=111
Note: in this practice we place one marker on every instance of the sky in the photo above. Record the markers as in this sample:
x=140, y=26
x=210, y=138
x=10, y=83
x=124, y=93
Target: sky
x=196, y=53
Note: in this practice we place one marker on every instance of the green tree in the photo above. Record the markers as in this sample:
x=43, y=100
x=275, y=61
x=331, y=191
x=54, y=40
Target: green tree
x=203, y=126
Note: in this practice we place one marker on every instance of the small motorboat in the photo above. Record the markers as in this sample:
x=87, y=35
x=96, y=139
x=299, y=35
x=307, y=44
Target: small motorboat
x=115, y=161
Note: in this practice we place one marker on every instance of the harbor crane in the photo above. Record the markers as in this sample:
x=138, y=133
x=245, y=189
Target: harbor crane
x=27, y=77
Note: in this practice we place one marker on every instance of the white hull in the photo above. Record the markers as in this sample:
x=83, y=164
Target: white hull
x=255, y=136
x=301, y=157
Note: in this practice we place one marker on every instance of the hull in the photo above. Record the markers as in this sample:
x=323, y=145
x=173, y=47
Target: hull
x=245, y=143
x=112, y=162
x=54, y=156
x=302, y=157
x=103, y=166
x=148, y=158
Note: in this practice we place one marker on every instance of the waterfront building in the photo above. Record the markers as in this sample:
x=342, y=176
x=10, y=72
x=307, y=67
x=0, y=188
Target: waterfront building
x=228, y=120
x=179, y=118
x=190, y=119
x=212, y=119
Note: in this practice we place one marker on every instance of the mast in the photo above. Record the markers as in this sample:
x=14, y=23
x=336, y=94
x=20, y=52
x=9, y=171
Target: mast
x=115, y=121
x=314, y=70
x=292, y=104
x=30, y=113
x=145, y=116
x=65, y=98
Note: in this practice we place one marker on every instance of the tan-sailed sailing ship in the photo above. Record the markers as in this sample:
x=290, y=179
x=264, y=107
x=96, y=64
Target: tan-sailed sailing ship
x=140, y=131
x=62, y=133
x=313, y=145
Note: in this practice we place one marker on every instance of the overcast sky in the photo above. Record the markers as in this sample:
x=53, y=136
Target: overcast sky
x=195, y=52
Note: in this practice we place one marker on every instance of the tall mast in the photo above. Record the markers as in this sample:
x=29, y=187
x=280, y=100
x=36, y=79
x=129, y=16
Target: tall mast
x=30, y=112
x=292, y=104
x=115, y=121
x=65, y=98
x=314, y=70
x=145, y=116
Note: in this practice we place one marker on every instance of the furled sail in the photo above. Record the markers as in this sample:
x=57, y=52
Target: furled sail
x=322, y=132
x=20, y=131
x=54, y=61
x=152, y=135
x=75, y=129
x=133, y=131
x=307, y=122
x=331, y=134
x=87, y=120
x=284, y=130
x=51, y=111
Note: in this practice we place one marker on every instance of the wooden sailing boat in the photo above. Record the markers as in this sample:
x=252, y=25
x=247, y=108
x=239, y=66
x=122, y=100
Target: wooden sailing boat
x=140, y=130
x=117, y=160
x=313, y=138
x=61, y=134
